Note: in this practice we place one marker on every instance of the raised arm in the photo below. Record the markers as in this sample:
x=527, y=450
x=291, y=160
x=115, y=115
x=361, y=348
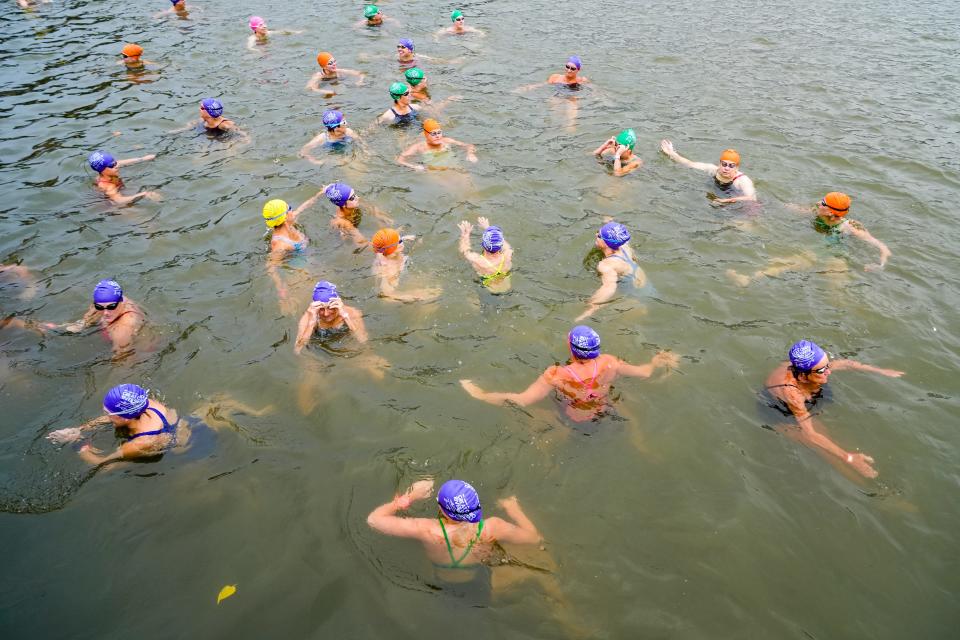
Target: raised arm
x=853, y=365
x=667, y=148
x=130, y=161
x=385, y=520
x=857, y=230
x=303, y=207
x=663, y=360
x=465, y=229
x=523, y=532
x=619, y=169
x=305, y=329
x=534, y=393
x=611, y=142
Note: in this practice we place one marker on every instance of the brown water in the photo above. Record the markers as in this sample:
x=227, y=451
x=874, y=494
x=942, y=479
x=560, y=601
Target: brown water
x=719, y=528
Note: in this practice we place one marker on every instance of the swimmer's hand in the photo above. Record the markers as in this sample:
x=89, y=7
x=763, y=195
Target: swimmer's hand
x=472, y=389
x=420, y=490
x=152, y=195
x=507, y=504
x=873, y=267
x=861, y=462
x=64, y=436
x=890, y=373
x=483, y=222
x=667, y=147
x=471, y=156
x=465, y=227
x=666, y=360
x=419, y=167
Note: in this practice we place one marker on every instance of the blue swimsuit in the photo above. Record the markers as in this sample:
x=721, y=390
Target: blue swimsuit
x=167, y=428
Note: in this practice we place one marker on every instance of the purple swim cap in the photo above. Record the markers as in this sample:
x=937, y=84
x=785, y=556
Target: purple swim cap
x=459, y=501
x=575, y=61
x=492, y=239
x=338, y=193
x=126, y=401
x=584, y=342
x=406, y=42
x=805, y=354
x=325, y=292
x=212, y=106
x=332, y=118
x=100, y=160
x=107, y=291
x=614, y=234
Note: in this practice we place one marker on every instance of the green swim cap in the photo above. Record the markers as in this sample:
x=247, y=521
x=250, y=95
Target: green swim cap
x=414, y=75
x=456, y=14
x=398, y=89
x=370, y=10
x=627, y=138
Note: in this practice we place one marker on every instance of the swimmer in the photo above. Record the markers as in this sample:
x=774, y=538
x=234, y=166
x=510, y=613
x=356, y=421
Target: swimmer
x=621, y=146
x=406, y=56
x=119, y=319
x=830, y=221
x=108, y=177
x=261, y=34
x=459, y=538
x=211, y=116
x=285, y=238
x=583, y=385
x=570, y=77
x=374, y=17
x=403, y=112
x=726, y=175
x=148, y=426
x=327, y=317
x=336, y=136
x=495, y=263
x=130, y=56
x=434, y=142
x=329, y=72
x=618, y=262
x=178, y=7
x=458, y=27
x=798, y=383
x=419, y=90
x=349, y=212
x=389, y=263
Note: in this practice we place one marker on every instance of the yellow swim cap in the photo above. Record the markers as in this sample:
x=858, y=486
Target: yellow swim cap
x=275, y=213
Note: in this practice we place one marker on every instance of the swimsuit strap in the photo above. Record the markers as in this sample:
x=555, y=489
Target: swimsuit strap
x=496, y=274
x=296, y=244
x=633, y=265
x=596, y=367
x=455, y=562
x=167, y=427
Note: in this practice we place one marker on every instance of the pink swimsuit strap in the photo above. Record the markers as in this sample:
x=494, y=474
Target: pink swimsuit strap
x=596, y=366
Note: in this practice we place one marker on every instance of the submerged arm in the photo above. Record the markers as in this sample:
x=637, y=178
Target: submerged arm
x=384, y=520
x=858, y=231
x=308, y=324
x=608, y=287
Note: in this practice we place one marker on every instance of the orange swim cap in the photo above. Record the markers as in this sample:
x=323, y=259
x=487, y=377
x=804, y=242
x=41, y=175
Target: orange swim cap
x=730, y=156
x=132, y=50
x=386, y=241
x=323, y=58
x=431, y=125
x=837, y=202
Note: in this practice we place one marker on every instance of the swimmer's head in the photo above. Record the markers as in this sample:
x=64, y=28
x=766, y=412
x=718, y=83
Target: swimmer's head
x=131, y=51
x=456, y=16
x=432, y=129
x=275, y=212
x=584, y=342
x=729, y=155
x=414, y=76
x=256, y=22
x=324, y=58
x=492, y=239
x=805, y=355
x=398, y=90
x=459, y=501
x=126, y=401
x=212, y=106
x=333, y=119
x=574, y=61
x=406, y=43
x=100, y=160
x=385, y=241
x=370, y=11
x=614, y=235
x=627, y=138
x=107, y=292
x=836, y=204
x=339, y=193
x=324, y=292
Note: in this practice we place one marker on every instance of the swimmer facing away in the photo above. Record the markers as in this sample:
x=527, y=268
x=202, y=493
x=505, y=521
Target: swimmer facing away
x=798, y=383
x=388, y=264
x=726, y=175
x=495, y=263
x=433, y=142
x=331, y=73
x=285, y=237
x=584, y=383
x=618, y=262
x=108, y=176
x=621, y=148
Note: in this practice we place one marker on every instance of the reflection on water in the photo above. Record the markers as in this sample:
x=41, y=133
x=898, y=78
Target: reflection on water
x=715, y=526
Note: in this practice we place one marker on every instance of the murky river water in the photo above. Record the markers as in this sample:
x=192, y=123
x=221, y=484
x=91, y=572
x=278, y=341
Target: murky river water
x=716, y=528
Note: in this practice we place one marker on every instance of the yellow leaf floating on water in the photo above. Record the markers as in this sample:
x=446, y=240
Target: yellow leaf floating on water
x=226, y=592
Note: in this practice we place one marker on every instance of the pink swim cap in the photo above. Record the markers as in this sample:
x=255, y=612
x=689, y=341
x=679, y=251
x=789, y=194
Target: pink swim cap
x=256, y=22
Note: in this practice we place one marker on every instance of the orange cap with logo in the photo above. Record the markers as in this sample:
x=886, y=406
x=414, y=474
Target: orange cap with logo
x=385, y=241
x=132, y=50
x=324, y=58
x=838, y=203
x=730, y=156
x=431, y=125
